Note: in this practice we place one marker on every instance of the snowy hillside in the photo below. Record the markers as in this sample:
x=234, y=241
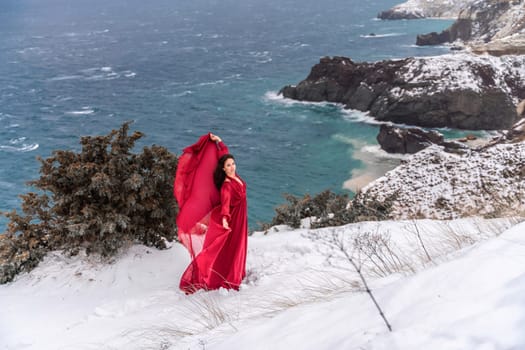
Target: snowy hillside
x=440, y=185
x=442, y=285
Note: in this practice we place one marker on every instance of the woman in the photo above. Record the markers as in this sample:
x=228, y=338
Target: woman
x=212, y=220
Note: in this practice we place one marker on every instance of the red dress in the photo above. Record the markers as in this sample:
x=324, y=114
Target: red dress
x=218, y=255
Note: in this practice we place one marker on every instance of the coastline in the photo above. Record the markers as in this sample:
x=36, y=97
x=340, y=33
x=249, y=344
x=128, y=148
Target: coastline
x=376, y=164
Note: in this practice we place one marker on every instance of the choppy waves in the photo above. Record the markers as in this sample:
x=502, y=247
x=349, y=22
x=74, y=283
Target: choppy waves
x=275, y=97
x=84, y=111
x=351, y=115
x=19, y=145
x=96, y=73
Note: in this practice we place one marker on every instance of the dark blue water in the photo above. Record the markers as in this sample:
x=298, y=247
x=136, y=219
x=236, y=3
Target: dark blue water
x=182, y=68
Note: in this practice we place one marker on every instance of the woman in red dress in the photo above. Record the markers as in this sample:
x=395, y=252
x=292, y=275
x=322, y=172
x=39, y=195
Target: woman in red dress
x=212, y=220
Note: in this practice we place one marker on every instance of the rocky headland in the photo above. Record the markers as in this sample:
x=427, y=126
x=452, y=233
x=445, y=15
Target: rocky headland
x=461, y=90
x=458, y=90
x=415, y=9
x=491, y=26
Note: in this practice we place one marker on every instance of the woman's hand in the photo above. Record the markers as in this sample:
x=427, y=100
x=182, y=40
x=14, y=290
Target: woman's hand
x=225, y=223
x=215, y=138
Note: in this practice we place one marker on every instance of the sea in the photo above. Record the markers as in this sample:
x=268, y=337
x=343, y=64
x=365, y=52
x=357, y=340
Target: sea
x=179, y=69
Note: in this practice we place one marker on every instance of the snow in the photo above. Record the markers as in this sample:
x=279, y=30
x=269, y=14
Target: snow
x=433, y=8
x=460, y=71
x=465, y=292
x=436, y=184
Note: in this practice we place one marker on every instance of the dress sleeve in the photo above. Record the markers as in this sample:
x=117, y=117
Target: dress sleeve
x=222, y=149
x=225, y=199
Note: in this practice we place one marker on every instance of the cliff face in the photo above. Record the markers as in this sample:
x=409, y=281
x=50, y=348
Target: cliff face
x=414, y=9
x=498, y=27
x=458, y=90
x=486, y=26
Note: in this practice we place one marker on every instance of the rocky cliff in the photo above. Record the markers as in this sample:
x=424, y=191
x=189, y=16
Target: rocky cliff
x=414, y=9
x=496, y=27
x=456, y=90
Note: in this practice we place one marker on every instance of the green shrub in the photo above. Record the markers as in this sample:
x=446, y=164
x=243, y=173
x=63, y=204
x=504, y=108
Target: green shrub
x=99, y=199
x=329, y=209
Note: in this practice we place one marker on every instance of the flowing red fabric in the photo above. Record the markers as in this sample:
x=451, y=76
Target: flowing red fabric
x=218, y=255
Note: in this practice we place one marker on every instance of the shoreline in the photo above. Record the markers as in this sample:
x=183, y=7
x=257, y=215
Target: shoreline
x=377, y=162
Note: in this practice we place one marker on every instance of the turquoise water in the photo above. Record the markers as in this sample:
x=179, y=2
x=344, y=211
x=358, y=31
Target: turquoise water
x=181, y=69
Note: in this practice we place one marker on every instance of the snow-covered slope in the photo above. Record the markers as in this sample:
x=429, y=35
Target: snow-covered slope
x=300, y=292
x=436, y=184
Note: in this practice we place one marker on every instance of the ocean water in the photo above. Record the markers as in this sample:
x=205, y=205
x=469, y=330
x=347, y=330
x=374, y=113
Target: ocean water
x=179, y=69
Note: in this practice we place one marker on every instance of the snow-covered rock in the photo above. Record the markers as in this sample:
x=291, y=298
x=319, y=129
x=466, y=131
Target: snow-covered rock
x=436, y=184
x=486, y=26
x=456, y=90
x=497, y=27
x=413, y=9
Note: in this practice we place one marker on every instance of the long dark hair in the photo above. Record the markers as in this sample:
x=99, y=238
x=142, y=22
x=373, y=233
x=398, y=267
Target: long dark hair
x=219, y=175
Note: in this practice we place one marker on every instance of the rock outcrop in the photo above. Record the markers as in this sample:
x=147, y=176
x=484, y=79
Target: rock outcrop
x=456, y=90
x=517, y=133
x=412, y=140
x=434, y=184
x=513, y=135
x=496, y=27
x=414, y=9
x=461, y=29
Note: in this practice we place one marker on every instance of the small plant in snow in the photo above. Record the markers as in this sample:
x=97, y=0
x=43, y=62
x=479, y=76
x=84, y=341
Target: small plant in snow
x=342, y=249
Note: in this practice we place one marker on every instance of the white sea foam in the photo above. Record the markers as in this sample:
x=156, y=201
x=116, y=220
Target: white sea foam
x=83, y=111
x=354, y=115
x=275, y=97
x=184, y=93
x=22, y=148
x=100, y=73
x=377, y=162
x=261, y=56
x=234, y=76
x=376, y=151
x=216, y=82
x=17, y=141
